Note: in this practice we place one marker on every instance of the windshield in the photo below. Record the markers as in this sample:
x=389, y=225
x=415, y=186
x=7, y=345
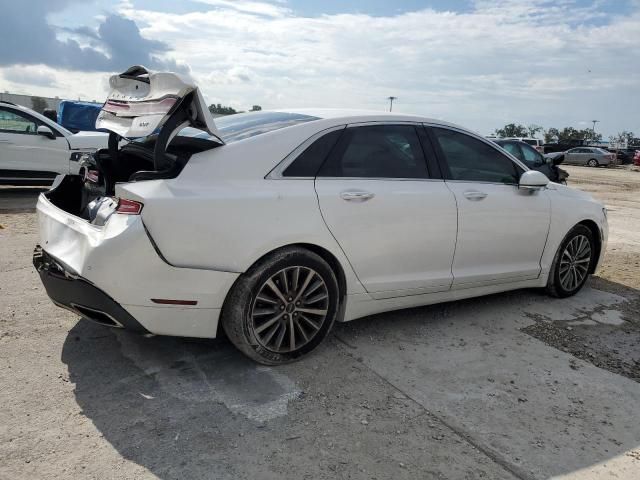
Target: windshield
x=233, y=128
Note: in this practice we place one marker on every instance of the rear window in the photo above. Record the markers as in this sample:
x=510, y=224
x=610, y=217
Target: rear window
x=244, y=125
x=233, y=128
x=531, y=142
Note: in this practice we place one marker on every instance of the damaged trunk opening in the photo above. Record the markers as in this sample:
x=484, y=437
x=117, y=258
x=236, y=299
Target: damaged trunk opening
x=147, y=116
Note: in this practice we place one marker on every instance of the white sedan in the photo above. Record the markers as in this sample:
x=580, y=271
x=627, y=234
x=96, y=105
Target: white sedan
x=274, y=225
x=34, y=149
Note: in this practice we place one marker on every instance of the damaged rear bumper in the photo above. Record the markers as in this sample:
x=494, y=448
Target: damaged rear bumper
x=69, y=290
x=113, y=274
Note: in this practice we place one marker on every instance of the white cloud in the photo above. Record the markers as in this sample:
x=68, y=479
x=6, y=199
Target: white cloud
x=528, y=61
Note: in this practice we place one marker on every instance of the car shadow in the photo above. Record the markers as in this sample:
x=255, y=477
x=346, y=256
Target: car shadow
x=175, y=406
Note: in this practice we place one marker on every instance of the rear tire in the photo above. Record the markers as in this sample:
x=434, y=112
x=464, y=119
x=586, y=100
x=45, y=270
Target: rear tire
x=593, y=163
x=572, y=263
x=283, y=307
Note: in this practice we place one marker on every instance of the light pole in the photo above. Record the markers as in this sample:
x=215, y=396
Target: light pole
x=391, y=99
x=594, y=126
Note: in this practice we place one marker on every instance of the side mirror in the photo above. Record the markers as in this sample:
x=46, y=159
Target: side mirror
x=45, y=132
x=533, y=180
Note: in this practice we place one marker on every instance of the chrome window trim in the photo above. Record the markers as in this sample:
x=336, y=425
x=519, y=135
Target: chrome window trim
x=493, y=145
x=277, y=172
x=384, y=179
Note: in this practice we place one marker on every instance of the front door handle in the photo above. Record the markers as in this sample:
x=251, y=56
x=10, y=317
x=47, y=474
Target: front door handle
x=356, y=195
x=475, y=195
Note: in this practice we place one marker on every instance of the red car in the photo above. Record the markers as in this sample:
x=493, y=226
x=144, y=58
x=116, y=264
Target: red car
x=636, y=158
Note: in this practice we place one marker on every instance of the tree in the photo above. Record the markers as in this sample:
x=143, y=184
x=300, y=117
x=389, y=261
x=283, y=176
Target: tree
x=622, y=138
x=554, y=135
x=534, y=130
x=551, y=135
x=38, y=104
x=256, y=108
x=221, y=110
x=512, y=130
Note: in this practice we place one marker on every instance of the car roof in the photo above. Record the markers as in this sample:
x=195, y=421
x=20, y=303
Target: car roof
x=342, y=115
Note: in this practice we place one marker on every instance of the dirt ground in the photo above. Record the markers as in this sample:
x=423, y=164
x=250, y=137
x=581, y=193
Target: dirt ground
x=511, y=386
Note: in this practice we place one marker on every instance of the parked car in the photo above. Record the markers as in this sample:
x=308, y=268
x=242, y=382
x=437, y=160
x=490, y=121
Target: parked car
x=624, y=156
x=536, y=143
x=636, y=158
x=590, y=156
x=562, y=146
x=274, y=225
x=532, y=158
x=34, y=149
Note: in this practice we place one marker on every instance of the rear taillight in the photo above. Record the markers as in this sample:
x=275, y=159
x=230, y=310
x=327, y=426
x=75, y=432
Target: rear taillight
x=129, y=207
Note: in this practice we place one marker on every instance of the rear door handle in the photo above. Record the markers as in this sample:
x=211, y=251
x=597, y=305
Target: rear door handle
x=356, y=195
x=475, y=195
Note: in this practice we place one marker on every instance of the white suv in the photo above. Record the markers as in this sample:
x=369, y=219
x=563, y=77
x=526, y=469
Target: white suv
x=534, y=142
x=34, y=149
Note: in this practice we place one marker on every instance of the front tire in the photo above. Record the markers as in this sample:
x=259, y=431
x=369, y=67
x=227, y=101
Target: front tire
x=283, y=307
x=593, y=163
x=572, y=263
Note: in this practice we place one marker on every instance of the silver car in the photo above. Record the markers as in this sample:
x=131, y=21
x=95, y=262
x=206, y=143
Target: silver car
x=591, y=156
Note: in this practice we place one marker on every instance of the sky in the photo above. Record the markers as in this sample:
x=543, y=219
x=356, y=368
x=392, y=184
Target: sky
x=479, y=63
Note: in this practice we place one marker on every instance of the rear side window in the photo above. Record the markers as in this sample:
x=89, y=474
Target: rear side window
x=513, y=149
x=532, y=157
x=472, y=160
x=377, y=151
x=309, y=162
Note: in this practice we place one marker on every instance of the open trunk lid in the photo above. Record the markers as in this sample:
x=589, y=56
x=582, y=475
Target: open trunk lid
x=141, y=102
x=144, y=113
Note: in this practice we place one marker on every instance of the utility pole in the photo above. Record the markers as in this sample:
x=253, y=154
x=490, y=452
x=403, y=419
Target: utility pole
x=391, y=99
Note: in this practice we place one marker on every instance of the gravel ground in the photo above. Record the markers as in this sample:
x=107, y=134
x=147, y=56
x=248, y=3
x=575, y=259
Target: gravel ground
x=511, y=386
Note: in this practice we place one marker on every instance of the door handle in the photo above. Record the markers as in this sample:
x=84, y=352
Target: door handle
x=356, y=196
x=474, y=195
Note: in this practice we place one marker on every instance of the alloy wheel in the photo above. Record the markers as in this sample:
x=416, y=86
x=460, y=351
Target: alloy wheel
x=574, y=262
x=592, y=163
x=290, y=309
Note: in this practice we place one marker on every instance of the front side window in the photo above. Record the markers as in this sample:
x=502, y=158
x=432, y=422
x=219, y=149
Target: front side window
x=472, y=160
x=377, y=151
x=13, y=122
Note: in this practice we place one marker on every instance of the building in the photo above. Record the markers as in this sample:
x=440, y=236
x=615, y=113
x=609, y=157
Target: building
x=27, y=100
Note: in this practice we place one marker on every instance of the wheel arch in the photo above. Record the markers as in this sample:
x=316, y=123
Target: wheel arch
x=597, y=236
x=323, y=253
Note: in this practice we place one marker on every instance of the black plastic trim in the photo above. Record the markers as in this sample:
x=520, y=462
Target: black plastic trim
x=69, y=290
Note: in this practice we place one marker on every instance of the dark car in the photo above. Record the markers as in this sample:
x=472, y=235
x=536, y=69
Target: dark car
x=625, y=155
x=563, y=146
x=531, y=158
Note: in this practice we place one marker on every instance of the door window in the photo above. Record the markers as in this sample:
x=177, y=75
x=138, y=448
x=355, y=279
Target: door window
x=377, y=151
x=472, y=160
x=13, y=122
